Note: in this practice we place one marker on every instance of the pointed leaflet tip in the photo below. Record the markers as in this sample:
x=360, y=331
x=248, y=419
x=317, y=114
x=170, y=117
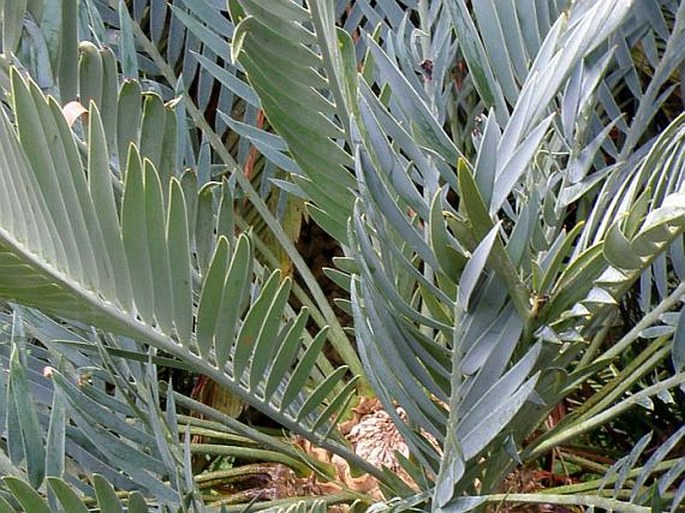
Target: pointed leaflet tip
x=239, y=35
x=474, y=268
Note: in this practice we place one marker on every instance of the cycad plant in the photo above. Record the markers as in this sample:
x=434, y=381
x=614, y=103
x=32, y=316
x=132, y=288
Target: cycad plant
x=505, y=183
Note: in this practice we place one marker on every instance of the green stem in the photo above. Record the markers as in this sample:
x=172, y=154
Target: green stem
x=220, y=436
x=283, y=504
x=638, y=368
x=617, y=386
x=425, y=26
x=575, y=500
x=579, y=428
x=595, y=484
x=219, y=477
x=251, y=454
x=584, y=463
x=275, y=444
x=238, y=427
x=667, y=304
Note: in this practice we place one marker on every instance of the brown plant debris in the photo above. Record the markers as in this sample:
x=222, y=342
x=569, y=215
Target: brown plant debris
x=373, y=437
